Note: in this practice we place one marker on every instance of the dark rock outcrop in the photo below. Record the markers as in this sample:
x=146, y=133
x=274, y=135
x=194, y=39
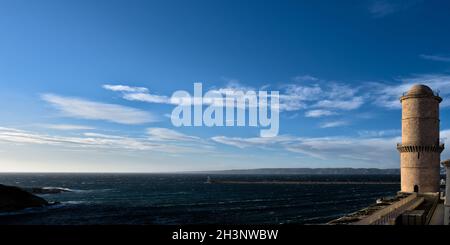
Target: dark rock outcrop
x=14, y=198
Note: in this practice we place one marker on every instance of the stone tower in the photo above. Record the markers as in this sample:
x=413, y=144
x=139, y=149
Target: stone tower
x=420, y=150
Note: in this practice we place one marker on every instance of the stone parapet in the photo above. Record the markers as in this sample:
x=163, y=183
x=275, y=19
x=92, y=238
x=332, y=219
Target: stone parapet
x=420, y=148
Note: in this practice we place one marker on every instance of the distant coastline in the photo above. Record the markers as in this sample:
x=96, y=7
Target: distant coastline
x=307, y=171
x=305, y=182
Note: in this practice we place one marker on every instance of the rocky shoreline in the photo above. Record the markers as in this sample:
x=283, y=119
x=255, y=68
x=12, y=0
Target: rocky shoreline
x=13, y=198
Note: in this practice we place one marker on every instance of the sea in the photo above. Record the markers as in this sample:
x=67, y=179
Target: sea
x=171, y=199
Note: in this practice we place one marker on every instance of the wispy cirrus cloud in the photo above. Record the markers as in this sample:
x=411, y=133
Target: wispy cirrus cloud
x=382, y=8
x=17, y=136
x=86, y=109
x=125, y=88
x=350, y=104
x=319, y=113
x=92, y=140
x=233, y=88
x=147, y=97
x=320, y=98
x=66, y=126
x=165, y=134
x=229, y=93
x=441, y=58
x=379, y=133
x=138, y=94
x=320, y=95
x=253, y=141
x=376, y=149
x=388, y=95
x=305, y=78
x=315, y=94
x=333, y=124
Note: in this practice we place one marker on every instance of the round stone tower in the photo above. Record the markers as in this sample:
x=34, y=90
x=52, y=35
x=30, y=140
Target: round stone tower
x=420, y=150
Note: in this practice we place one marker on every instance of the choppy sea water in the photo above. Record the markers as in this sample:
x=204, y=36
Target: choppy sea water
x=188, y=199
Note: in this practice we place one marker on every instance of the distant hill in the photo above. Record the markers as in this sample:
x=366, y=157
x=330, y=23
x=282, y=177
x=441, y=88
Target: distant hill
x=311, y=171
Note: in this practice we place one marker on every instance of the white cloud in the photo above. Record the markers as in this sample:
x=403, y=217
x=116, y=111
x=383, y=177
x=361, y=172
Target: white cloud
x=138, y=94
x=11, y=135
x=231, y=89
x=351, y=104
x=10, y=129
x=25, y=137
x=322, y=98
x=234, y=85
x=325, y=95
x=85, y=109
x=319, y=113
x=303, y=93
x=251, y=142
x=291, y=104
x=375, y=149
x=341, y=91
x=169, y=134
x=293, y=97
x=304, y=78
x=146, y=97
x=381, y=8
x=99, y=141
x=388, y=95
x=379, y=133
x=106, y=136
x=372, y=147
x=334, y=124
x=124, y=88
x=66, y=126
x=435, y=57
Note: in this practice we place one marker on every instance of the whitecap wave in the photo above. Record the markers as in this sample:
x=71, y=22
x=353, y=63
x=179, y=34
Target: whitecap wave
x=52, y=190
x=74, y=202
x=58, y=188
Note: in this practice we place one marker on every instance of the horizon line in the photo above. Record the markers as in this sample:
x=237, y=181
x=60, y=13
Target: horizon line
x=174, y=172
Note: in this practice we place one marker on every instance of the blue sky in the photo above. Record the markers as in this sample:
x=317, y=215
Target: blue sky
x=340, y=65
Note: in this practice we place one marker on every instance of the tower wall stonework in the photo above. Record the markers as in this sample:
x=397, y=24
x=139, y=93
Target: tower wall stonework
x=420, y=171
x=420, y=121
x=420, y=148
